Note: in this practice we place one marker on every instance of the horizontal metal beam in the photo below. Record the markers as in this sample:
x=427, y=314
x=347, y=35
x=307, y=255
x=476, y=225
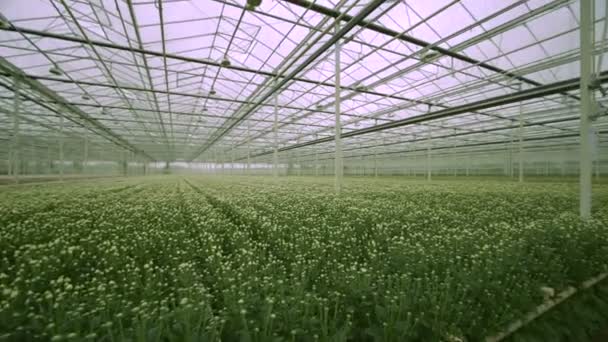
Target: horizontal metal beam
x=541, y=91
x=207, y=62
x=438, y=148
x=311, y=6
x=447, y=136
x=158, y=91
x=113, y=138
x=363, y=13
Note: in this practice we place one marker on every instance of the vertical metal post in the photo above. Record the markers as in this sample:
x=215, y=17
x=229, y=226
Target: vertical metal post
x=275, y=152
x=298, y=163
x=428, y=157
x=375, y=162
x=587, y=59
x=598, y=156
x=15, y=163
x=521, y=142
x=86, y=152
x=376, y=154
x=248, y=150
x=338, y=169
x=61, y=148
x=511, y=173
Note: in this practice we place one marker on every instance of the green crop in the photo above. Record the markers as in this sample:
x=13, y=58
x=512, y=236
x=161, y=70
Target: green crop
x=207, y=259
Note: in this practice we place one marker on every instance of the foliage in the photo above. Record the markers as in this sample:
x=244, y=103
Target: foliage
x=239, y=260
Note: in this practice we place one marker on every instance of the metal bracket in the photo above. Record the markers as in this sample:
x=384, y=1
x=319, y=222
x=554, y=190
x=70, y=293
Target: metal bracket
x=596, y=84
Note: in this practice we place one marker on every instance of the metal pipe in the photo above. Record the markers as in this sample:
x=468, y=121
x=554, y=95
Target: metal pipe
x=375, y=163
x=283, y=81
x=314, y=7
x=15, y=163
x=542, y=91
x=41, y=89
x=207, y=62
x=248, y=151
x=61, y=148
x=86, y=152
x=470, y=145
x=338, y=162
x=511, y=173
x=428, y=157
x=275, y=154
x=587, y=59
x=95, y=51
x=521, y=142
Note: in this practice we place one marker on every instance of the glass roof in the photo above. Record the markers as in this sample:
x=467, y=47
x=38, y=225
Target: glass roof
x=197, y=79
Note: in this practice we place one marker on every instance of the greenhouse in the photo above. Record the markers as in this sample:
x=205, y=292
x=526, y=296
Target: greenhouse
x=303, y=170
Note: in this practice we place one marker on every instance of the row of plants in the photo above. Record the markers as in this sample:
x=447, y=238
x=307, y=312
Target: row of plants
x=254, y=259
x=464, y=261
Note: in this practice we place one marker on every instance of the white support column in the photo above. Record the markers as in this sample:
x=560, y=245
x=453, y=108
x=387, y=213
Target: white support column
x=275, y=152
x=521, y=141
x=15, y=162
x=598, y=159
x=511, y=173
x=338, y=162
x=587, y=59
x=86, y=152
x=61, y=148
x=375, y=162
x=375, y=154
x=248, y=150
x=428, y=157
x=299, y=173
